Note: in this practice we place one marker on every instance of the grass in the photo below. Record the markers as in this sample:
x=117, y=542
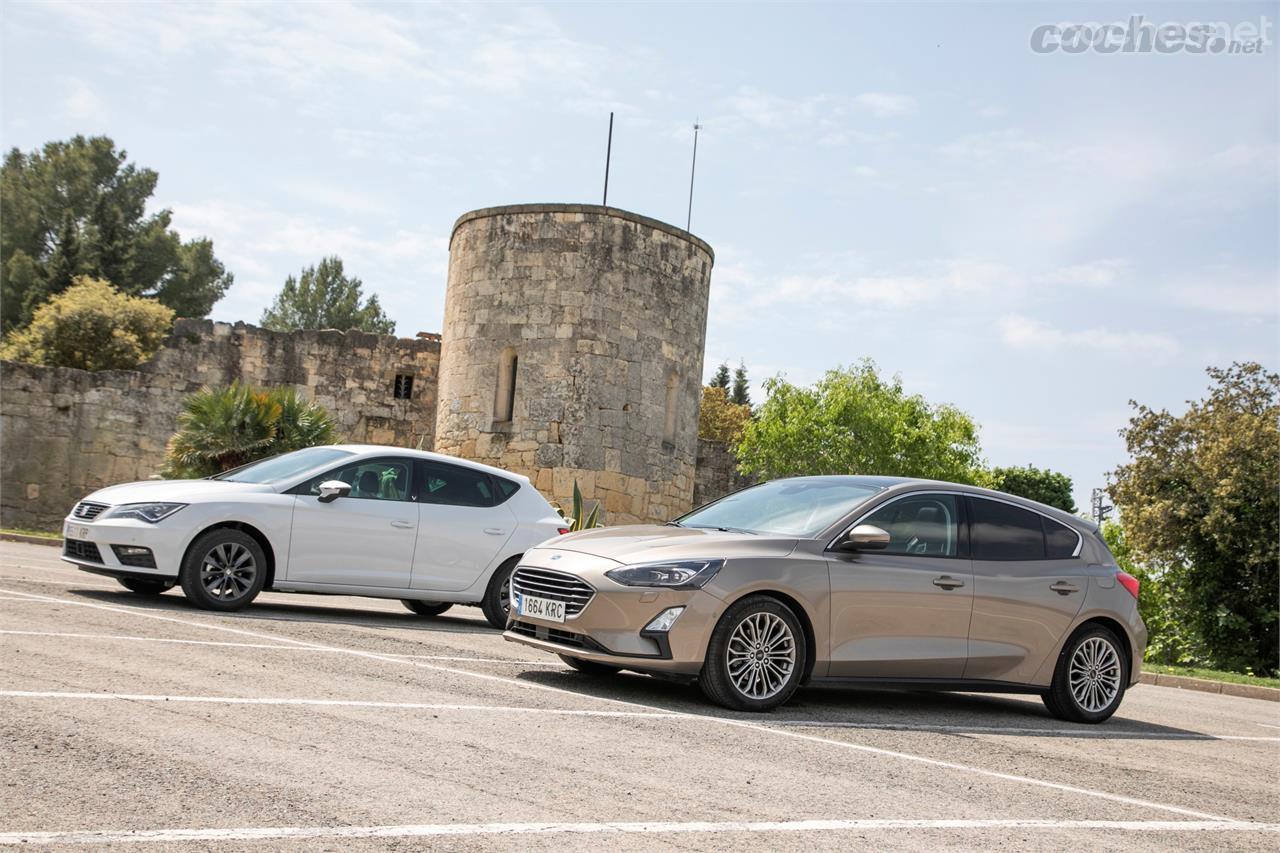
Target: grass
x=1212, y=674
x=43, y=534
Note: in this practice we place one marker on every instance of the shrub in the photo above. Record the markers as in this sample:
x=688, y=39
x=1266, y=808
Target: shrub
x=719, y=419
x=91, y=326
x=224, y=428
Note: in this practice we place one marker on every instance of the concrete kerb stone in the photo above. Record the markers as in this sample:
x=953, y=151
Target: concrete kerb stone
x=1204, y=685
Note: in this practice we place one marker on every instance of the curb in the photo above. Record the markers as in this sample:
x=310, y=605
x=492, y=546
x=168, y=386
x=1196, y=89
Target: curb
x=30, y=540
x=1203, y=685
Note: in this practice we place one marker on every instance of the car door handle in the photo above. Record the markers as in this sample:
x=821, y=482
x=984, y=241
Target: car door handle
x=1064, y=588
x=403, y=525
x=947, y=582
x=494, y=531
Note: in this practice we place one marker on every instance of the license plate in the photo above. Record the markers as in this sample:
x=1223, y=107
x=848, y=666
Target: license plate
x=75, y=531
x=541, y=608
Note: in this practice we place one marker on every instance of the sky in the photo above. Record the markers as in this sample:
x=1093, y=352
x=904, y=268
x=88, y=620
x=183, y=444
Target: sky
x=1035, y=238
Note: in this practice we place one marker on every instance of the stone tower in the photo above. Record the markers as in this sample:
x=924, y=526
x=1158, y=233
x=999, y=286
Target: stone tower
x=572, y=350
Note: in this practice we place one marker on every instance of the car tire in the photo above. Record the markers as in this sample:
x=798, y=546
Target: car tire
x=756, y=657
x=1090, y=678
x=224, y=570
x=146, y=586
x=590, y=667
x=426, y=608
x=497, y=596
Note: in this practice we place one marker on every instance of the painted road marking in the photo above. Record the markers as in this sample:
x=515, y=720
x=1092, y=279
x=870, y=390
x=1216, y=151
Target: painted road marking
x=572, y=712
x=274, y=647
x=838, y=744
x=642, y=828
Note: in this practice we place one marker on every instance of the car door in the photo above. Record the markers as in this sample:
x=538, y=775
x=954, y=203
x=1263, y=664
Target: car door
x=463, y=523
x=365, y=538
x=903, y=612
x=1029, y=583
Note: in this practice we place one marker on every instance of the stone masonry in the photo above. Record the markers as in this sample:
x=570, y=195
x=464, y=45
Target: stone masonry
x=64, y=433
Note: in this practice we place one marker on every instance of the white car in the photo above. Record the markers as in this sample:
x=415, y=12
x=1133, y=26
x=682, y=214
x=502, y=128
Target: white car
x=430, y=530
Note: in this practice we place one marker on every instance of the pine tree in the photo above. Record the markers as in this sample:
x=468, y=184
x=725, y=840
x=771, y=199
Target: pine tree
x=324, y=297
x=741, y=392
x=721, y=379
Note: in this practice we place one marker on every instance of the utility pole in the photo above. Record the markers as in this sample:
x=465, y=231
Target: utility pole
x=1101, y=509
x=608, y=153
x=689, y=219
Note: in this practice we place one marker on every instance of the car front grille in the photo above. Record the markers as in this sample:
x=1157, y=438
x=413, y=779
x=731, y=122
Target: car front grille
x=554, y=635
x=87, y=510
x=557, y=586
x=80, y=550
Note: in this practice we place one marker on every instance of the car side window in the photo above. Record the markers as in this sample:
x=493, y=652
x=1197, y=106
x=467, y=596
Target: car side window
x=1003, y=531
x=453, y=485
x=1060, y=541
x=923, y=525
x=388, y=479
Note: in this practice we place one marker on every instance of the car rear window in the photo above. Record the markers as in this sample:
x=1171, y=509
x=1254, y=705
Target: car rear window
x=1060, y=541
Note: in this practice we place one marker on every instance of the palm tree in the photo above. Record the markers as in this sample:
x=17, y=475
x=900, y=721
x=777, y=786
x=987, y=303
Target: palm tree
x=223, y=428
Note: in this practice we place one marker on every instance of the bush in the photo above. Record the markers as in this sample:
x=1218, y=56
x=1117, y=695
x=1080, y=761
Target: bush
x=719, y=419
x=1172, y=642
x=91, y=326
x=224, y=428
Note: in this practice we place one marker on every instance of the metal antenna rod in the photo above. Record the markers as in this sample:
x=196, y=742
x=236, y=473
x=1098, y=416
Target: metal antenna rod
x=689, y=219
x=608, y=153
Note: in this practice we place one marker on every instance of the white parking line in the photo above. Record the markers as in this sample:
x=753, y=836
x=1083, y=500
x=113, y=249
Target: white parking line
x=756, y=727
x=271, y=646
x=574, y=712
x=643, y=828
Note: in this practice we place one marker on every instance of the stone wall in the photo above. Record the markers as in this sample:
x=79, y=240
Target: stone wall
x=64, y=433
x=602, y=314
x=717, y=472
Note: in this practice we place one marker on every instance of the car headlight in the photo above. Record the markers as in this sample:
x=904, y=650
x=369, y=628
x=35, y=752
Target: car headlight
x=671, y=574
x=150, y=513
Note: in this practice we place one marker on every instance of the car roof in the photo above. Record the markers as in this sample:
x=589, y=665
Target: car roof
x=904, y=484
x=384, y=449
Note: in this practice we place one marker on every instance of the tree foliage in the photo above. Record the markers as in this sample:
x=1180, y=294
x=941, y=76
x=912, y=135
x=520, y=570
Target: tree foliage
x=324, y=297
x=855, y=422
x=741, y=394
x=1200, y=500
x=721, y=379
x=77, y=208
x=1160, y=604
x=224, y=428
x=1043, y=485
x=91, y=326
x=719, y=419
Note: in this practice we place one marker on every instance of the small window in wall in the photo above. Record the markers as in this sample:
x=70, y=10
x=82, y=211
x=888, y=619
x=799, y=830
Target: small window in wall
x=403, y=388
x=673, y=393
x=504, y=401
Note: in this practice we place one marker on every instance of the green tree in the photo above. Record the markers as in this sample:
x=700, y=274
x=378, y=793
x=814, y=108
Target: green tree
x=223, y=428
x=326, y=298
x=855, y=422
x=91, y=326
x=741, y=395
x=1171, y=642
x=1200, y=498
x=1045, y=486
x=721, y=379
x=79, y=208
x=719, y=419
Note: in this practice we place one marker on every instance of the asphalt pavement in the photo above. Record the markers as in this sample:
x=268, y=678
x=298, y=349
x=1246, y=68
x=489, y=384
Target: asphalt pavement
x=339, y=723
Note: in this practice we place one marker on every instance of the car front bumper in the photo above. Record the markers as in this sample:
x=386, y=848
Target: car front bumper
x=95, y=546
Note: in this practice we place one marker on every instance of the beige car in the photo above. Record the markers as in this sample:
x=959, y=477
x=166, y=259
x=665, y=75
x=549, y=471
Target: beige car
x=845, y=580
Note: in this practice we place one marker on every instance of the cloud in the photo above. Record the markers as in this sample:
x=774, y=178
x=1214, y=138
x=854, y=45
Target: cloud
x=885, y=104
x=1027, y=333
x=1100, y=273
x=1217, y=292
x=82, y=103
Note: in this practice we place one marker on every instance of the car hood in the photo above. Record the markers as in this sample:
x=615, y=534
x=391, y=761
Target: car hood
x=644, y=543
x=177, y=491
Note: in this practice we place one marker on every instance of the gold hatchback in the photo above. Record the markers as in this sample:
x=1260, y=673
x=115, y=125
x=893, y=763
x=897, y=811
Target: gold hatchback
x=844, y=580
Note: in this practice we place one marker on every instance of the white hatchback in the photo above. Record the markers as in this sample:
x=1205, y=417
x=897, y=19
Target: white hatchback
x=428, y=529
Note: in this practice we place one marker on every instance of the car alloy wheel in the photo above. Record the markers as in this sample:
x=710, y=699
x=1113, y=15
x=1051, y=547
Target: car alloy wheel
x=761, y=655
x=1095, y=674
x=227, y=571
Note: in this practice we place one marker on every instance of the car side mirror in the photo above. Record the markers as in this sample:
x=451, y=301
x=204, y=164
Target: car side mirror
x=331, y=490
x=864, y=537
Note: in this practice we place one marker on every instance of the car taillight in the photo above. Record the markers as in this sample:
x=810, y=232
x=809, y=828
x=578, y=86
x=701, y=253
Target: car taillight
x=563, y=530
x=1129, y=582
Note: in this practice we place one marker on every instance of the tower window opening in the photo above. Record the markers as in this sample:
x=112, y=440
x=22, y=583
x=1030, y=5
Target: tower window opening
x=403, y=387
x=673, y=387
x=504, y=402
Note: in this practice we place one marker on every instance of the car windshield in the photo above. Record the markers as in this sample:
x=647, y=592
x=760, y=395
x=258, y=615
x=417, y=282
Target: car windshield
x=283, y=467
x=801, y=507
